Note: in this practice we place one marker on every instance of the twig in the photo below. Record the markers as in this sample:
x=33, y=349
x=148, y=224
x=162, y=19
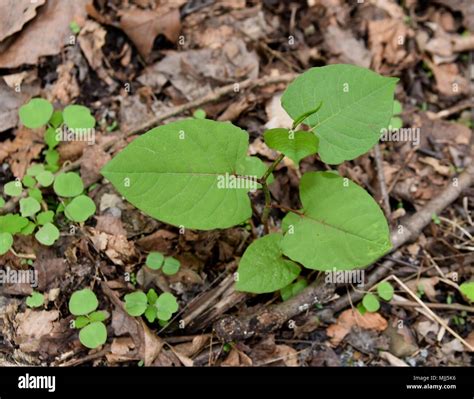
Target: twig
x=433, y=315
x=264, y=321
x=446, y=306
x=381, y=179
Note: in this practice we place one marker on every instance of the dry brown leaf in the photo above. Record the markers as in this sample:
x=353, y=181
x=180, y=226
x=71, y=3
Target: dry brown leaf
x=117, y=248
x=14, y=14
x=350, y=318
x=143, y=26
x=93, y=159
x=345, y=47
x=449, y=80
x=426, y=285
x=92, y=39
x=192, y=348
x=436, y=165
x=237, y=358
x=13, y=100
x=45, y=35
x=32, y=326
x=276, y=115
x=66, y=88
x=110, y=224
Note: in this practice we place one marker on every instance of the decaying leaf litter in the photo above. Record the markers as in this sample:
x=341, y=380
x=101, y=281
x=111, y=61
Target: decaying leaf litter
x=137, y=64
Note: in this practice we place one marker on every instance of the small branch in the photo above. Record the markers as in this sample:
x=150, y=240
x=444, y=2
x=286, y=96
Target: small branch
x=266, y=191
x=381, y=179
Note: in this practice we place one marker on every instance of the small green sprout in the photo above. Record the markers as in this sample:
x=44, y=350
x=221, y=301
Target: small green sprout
x=151, y=305
x=371, y=302
x=89, y=321
x=156, y=261
x=35, y=300
x=467, y=289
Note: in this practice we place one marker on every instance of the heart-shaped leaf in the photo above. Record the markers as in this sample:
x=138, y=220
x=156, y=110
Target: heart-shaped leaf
x=68, y=185
x=78, y=117
x=80, y=209
x=295, y=145
x=371, y=302
x=356, y=104
x=83, y=302
x=6, y=242
x=93, y=335
x=185, y=173
x=47, y=234
x=35, y=113
x=341, y=226
x=136, y=303
x=263, y=268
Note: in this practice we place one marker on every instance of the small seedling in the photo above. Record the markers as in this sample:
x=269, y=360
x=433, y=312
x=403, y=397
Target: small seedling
x=196, y=174
x=151, y=305
x=35, y=300
x=371, y=302
x=89, y=321
x=34, y=216
x=293, y=289
x=168, y=265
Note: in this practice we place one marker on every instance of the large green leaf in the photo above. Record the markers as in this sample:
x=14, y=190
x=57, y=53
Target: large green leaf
x=356, y=105
x=341, y=226
x=295, y=145
x=263, y=268
x=183, y=174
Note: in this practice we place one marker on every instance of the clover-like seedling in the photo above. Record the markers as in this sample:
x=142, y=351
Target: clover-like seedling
x=89, y=321
x=371, y=302
x=151, y=305
x=197, y=174
x=169, y=265
x=34, y=216
x=35, y=300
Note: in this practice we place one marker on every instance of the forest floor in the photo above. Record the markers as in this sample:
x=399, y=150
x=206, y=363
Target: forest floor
x=140, y=63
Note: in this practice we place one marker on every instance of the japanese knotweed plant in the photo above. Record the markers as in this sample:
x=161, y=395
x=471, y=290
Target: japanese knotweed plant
x=196, y=174
x=45, y=194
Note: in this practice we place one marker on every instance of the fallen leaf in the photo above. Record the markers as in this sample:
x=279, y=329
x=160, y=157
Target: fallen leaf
x=237, y=358
x=14, y=14
x=143, y=26
x=46, y=35
x=117, y=248
x=32, y=326
x=93, y=159
x=425, y=285
x=350, y=318
x=277, y=117
x=66, y=88
x=345, y=47
x=110, y=224
x=436, y=165
x=192, y=348
x=393, y=360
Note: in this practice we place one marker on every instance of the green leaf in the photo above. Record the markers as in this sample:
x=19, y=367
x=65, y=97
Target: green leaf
x=341, y=226
x=254, y=167
x=199, y=114
x=6, y=242
x=29, y=207
x=385, y=290
x=293, y=289
x=44, y=217
x=28, y=181
x=362, y=310
x=51, y=138
x=151, y=313
x=68, y=184
x=371, y=303
x=93, y=335
x=262, y=267
x=45, y=178
x=52, y=159
x=75, y=28
x=80, y=209
x=81, y=321
x=56, y=120
x=182, y=174
x=35, y=300
x=295, y=145
x=166, y=302
x=13, y=188
x=35, y=113
x=35, y=169
x=78, y=117
x=12, y=223
x=83, y=302
x=163, y=314
x=47, y=234
x=28, y=229
x=397, y=107
x=467, y=290
x=395, y=123
x=35, y=193
x=2, y=202
x=171, y=266
x=152, y=296
x=136, y=303
x=100, y=315
x=154, y=260
x=356, y=105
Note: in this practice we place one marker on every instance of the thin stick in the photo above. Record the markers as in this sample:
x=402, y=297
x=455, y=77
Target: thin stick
x=434, y=315
x=381, y=179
